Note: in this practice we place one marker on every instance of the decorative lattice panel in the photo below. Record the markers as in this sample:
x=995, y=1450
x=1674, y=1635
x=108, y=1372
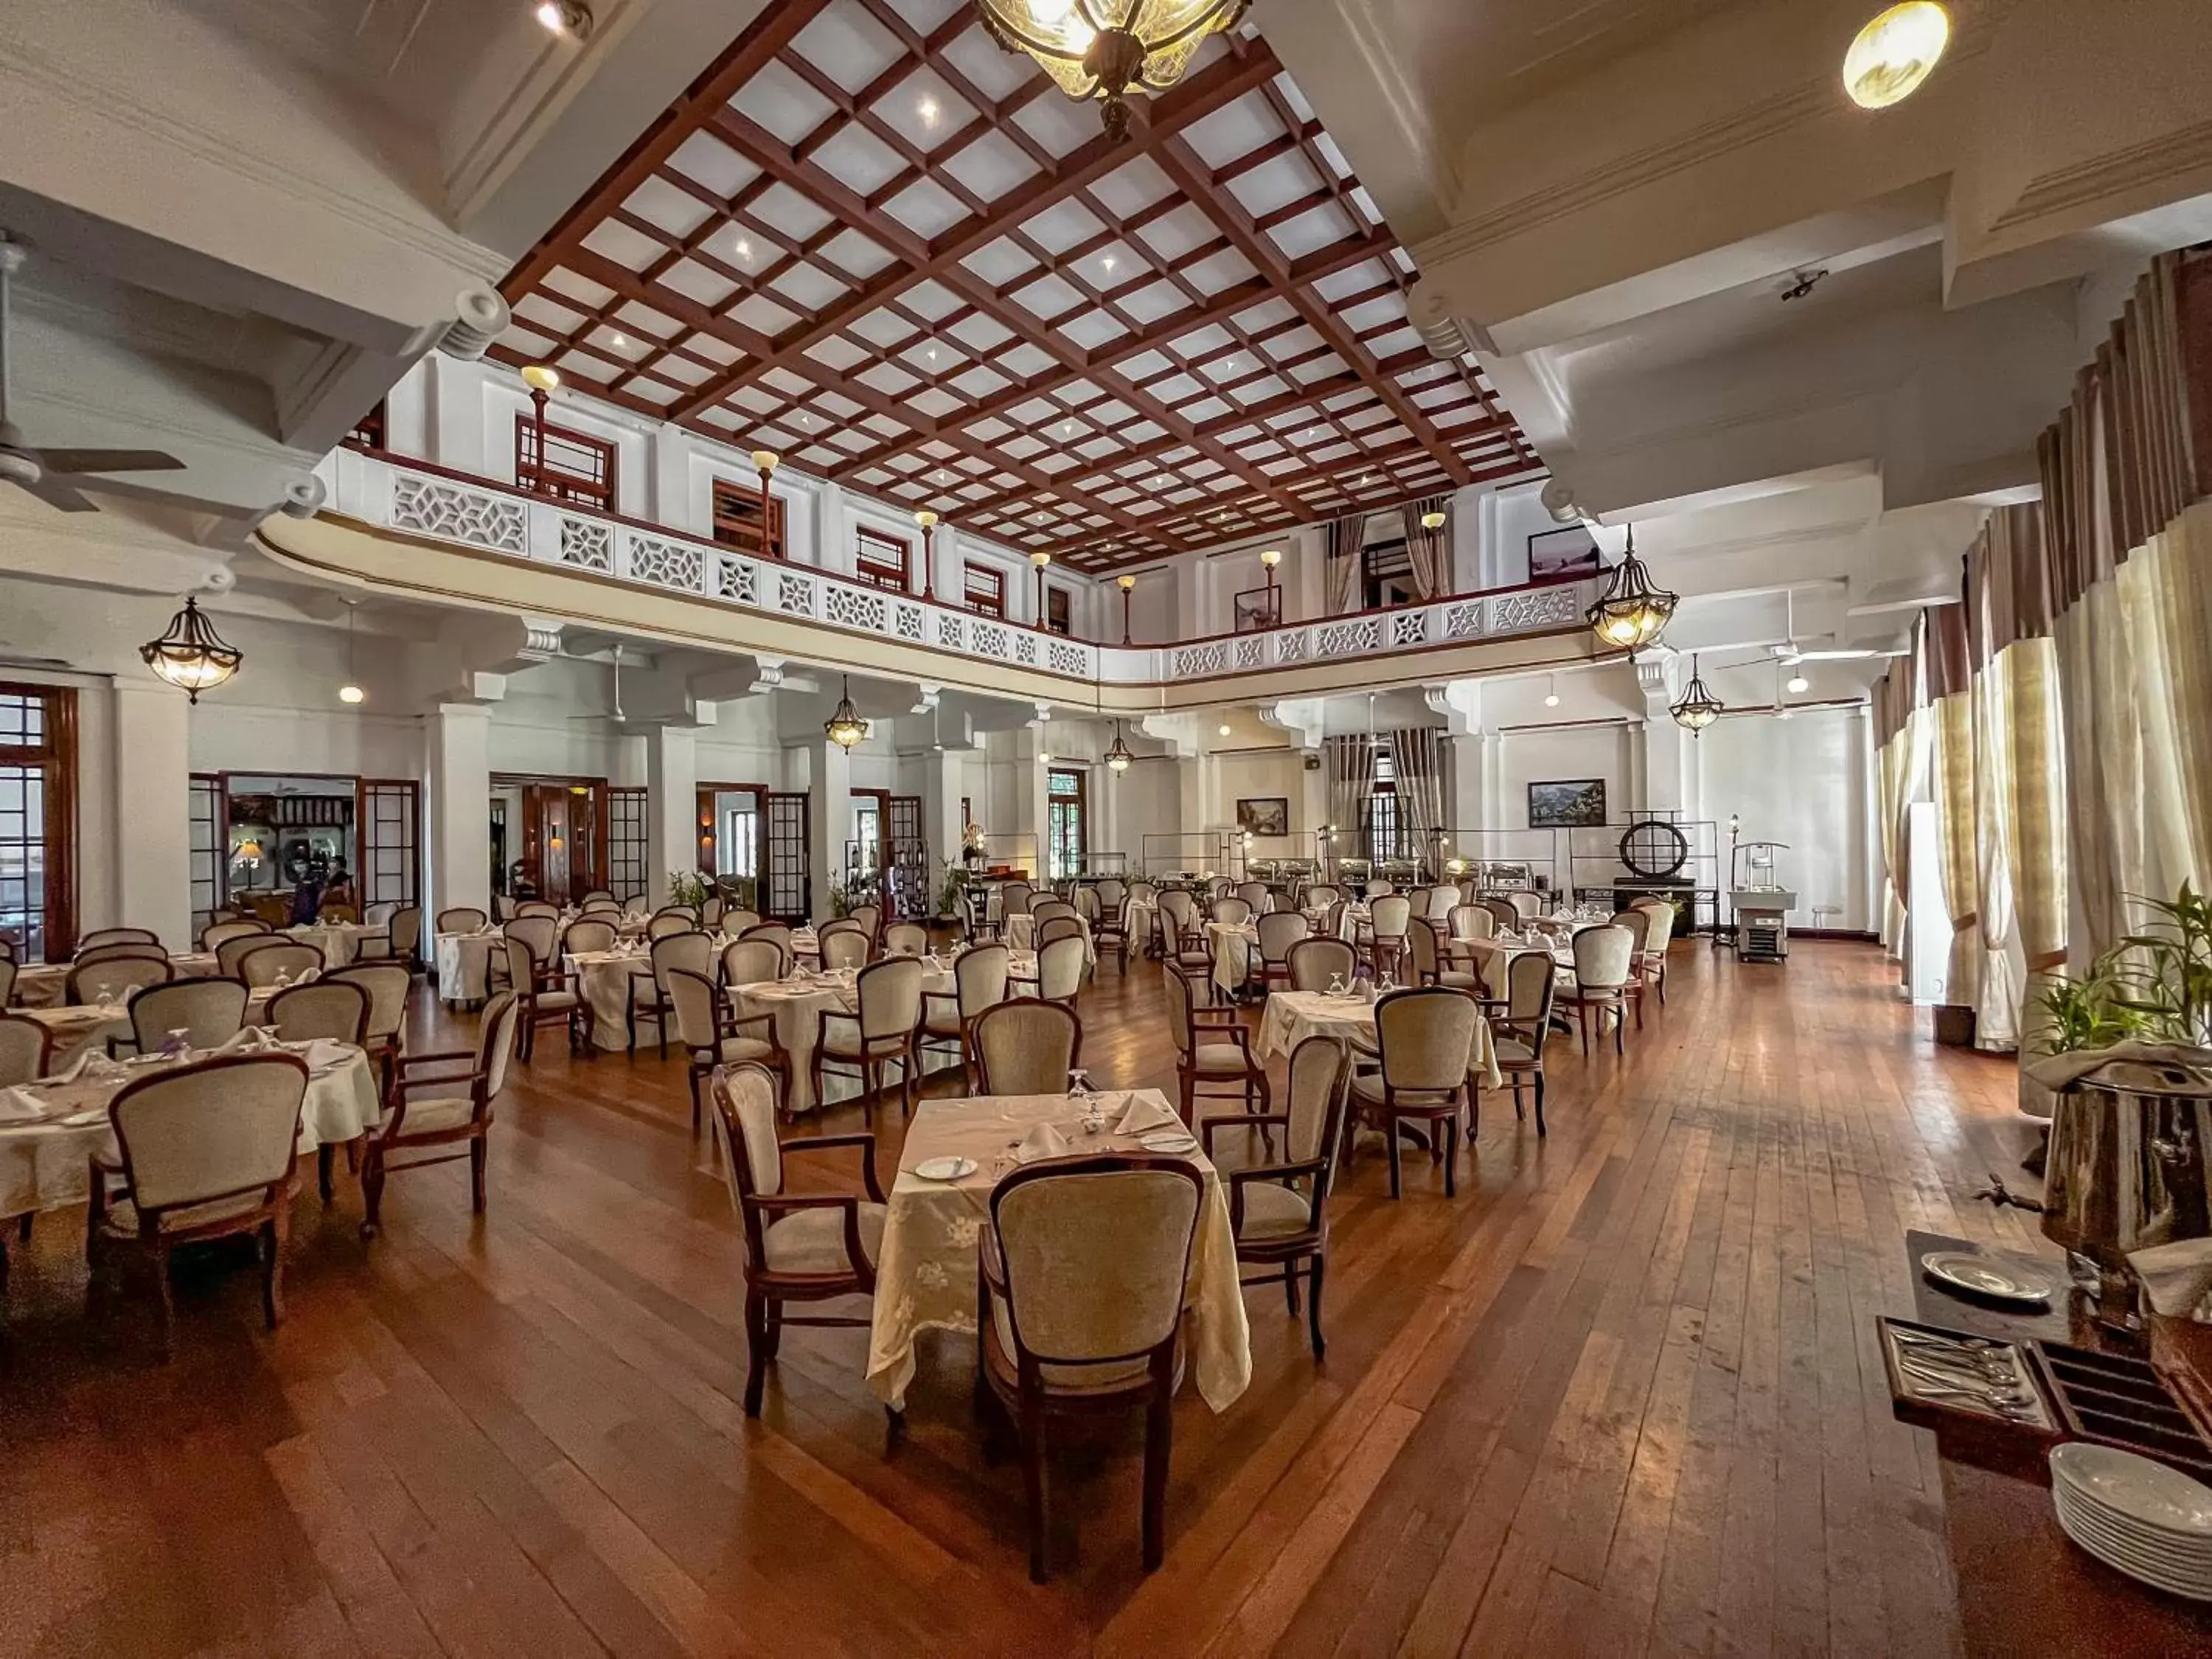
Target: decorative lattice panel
x=431, y=507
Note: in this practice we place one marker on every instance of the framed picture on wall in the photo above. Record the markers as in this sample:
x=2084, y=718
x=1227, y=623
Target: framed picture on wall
x=1257, y=608
x=1572, y=552
x=1576, y=804
x=1269, y=815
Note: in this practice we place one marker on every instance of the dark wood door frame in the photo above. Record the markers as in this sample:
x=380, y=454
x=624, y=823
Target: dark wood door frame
x=710, y=826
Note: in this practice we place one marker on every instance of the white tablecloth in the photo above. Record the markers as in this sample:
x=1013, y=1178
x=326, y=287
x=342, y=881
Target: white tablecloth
x=43, y=1164
x=1291, y=1017
x=604, y=978
x=1347, y=929
x=796, y=1006
x=462, y=959
x=79, y=1027
x=43, y=984
x=1235, y=946
x=340, y=942
x=1491, y=958
x=926, y=1271
x=1021, y=935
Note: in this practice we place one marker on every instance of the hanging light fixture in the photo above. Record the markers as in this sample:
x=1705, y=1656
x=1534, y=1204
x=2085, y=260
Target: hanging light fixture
x=845, y=728
x=1697, y=708
x=191, y=656
x=1434, y=520
x=1631, y=613
x=351, y=692
x=1551, y=691
x=1118, y=758
x=1895, y=52
x=1108, y=49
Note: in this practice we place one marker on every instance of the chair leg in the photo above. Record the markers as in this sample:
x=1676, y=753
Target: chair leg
x=1390, y=1139
x=23, y=1227
x=1449, y=1140
x=756, y=1351
x=1290, y=1288
x=1620, y=1030
x=478, y=1150
x=694, y=1099
x=1313, y=1307
x=1539, y=1105
x=372, y=1192
x=272, y=1274
x=1033, y=1484
x=168, y=1300
x=325, y=1162
x=1159, y=1433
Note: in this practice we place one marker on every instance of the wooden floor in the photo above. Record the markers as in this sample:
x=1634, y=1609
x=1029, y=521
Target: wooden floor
x=1620, y=1396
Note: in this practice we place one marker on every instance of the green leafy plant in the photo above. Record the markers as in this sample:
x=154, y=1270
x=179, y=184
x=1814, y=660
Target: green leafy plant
x=843, y=896
x=2154, y=985
x=690, y=889
x=951, y=887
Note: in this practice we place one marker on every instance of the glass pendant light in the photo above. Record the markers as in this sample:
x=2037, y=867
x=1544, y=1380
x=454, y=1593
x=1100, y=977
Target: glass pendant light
x=1631, y=613
x=1697, y=708
x=1895, y=52
x=191, y=656
x=845, y=728
x=1108, y=49
x=1118, y=757
x=351, y=692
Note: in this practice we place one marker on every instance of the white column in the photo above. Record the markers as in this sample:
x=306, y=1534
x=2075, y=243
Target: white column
x=671, y=480
x=153, y=829
x=1195, y=777
x=828, y=818
x=948, y=578
x=1032, y=798
x=458, y=419
x=672, y=797
x=833, y=548
x=941, y=772
x=460, y=774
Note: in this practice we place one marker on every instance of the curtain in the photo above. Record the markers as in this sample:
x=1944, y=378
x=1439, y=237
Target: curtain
x=1346, y=541
x=1996, y=999
x=2026, y=674
x=1348, y=764
x=1429, y=552
x=1415, y=754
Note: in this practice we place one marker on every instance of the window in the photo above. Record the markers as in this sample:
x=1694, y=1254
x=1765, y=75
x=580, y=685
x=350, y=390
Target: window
x=738, y=520
x=368, y=432
x=737, y=850
x=1388, y=575
x=578, y=467
x=37, y=820
x=1058, y=611
x=985, y=590
x=868, y=835
x=882, y=561
x=1386, y=837
x=1066, y=838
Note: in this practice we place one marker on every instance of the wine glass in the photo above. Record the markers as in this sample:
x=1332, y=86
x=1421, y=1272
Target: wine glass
x=179, y=1039
x=1336, y=985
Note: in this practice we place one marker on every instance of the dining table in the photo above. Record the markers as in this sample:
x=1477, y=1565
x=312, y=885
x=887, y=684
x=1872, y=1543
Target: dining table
x=926, y=1264
x=795, y=1006
x=43, y=984
x=1291, y=1017
x=603, y=980
x=464, y=962
x=1234, y=945
x=50, y=1130
x=1020, y=933
x=340, y=942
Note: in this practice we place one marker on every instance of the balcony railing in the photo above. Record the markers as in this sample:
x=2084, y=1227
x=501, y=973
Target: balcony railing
x=426, y=502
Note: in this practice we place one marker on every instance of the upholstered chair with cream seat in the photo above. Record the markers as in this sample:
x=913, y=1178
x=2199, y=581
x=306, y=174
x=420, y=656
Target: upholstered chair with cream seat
x=386, y=984
x=905, y=938
x=544, y=998
x=775, y=933
x=688, y=949
x=120, y=949
x=463, y=918
x=544, y=908
x=587, y=935
x=1639, y=923
x=214, y=933
x=1387, y=918
x=1656, y=938
x=1258, y=901
x=210, y=1012
x=979, y=983
x=434, y=1119
x=752, y=961
x=1214, y=1048
x=1026, y=1047
x=869, y=917
x=1605, y=963
x=25, y=1048
x=1425, y=1042
x=278, y=959
x=1521, y=1024
x=846, y=946
x=1231, y=911
x=1314, y=963
x=116, y=978
x=100, y=936
x=881, y=1029
x=327, y=1008
x=713, y=1036
x=666, y=921
x=1280, y=930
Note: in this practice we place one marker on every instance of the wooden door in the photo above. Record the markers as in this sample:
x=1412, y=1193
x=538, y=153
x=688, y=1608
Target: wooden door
x=387, y=820
x=209, y=818
x=786, y=892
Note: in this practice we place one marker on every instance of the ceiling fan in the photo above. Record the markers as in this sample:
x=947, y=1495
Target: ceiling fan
x=616, y=714
x=46, y=473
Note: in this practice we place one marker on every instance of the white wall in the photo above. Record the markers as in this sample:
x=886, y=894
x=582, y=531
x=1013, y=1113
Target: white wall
x=1799, y=780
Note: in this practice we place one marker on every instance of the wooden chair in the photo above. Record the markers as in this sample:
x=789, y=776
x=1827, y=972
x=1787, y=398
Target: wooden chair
x=463, y=918
x=979, y=982
x=780, y=935
x=1258, y=900
x=328, y=1008
x=202, y=1152
x=457, y=1116
x=541, y=933
x=1637, y=920
x=263, y=962
x=587, y=935
x=403, y=935
x=210, y=1012
x=9, y=969
x=1232, y=911
x=1656, y=938
x=1187, y=950
x=216, y=932
x=905, y=938
x=1605, y=960
x=597, y=895
x=1431, y=965
x=1314, y=963
x=881, y=1029
x=25, y=1050
x=544, y=997
x=690, y=950
x=869, y=917
x=1384, y=935
x=736, y=921
x=1274, y=1223
x=1424, y=1040
x=663, y=922
x=1059, y=976
x=544, y=909
x=751, y=962
x=1026, y=1047
x=114, y=980
x=119, y=950
x=1503, y=914
x=845, y=945
x=1522, y=1024
x=814, y=1247
x=1213, y=1048
x=1279, y=932
x=1080, y=1292
x=1110, y=933
x=713, y=1036
x=386, y=985
x=100, y=936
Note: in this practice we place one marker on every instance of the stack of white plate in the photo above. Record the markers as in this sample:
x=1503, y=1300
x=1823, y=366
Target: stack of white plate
x=2150, y=1522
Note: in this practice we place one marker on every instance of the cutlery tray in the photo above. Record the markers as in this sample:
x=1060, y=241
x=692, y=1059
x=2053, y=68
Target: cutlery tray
x=2116, y=1400
x=1980, y=1434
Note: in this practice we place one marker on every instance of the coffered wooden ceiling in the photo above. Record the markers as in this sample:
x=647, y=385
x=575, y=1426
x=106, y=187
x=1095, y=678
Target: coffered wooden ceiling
x=873, y=241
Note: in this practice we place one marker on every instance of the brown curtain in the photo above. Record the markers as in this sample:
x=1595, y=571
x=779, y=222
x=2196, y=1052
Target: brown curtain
x=1429, y=552
x=1347, y=543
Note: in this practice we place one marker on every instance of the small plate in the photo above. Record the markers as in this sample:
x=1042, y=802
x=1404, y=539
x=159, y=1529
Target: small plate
x=1168, y=1140
x=946, y=1168
x=1976, y=1275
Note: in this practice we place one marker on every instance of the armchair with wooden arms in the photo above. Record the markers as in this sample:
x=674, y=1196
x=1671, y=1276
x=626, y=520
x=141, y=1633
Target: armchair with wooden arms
x=458, y=1115
x=1213, y=1046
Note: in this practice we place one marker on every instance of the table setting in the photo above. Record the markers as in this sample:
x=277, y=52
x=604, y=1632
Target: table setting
x=43, y=984
x=795, y=1005
x=603, y=980
x=1348, y=1015
x=957, y=1151
x=463, y=963
x=340, y=942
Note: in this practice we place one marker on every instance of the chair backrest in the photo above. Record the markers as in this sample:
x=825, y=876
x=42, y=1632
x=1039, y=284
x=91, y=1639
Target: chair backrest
x=503, y=909
x=538, y=931
x=1027, y=1046
x=745, y=1136
x=1112, y=893
x=752, y=961
x=1221, y=887
x=1417, y=902
x=1659, y=919
x=119, y=948
x=25, y=1045
x=214, y=933
x=665, y=923
x=737, y=921
x=224, y=1126
x=1376, y=890
x=117, y=936
x=8, y=971
x=1059, y=968
x=599, y=896
x=1232, y=911
x=209, y=1011
x=115, y=979
x=775, y=933
x=1421, y=946
x=1472, y=921
x=495, y=1044
x=1320, y=1084
x=291, y=957
x=1015, y=898
x=888, y=997
x=538, y=908
x=8, y=948
x=979, y=978
x=1096, y=1252
x=603, y=904
x=521, y=962
x=227, y=952
x=328, y=1008
x=697, y=1025
x=1256, y=897
x=844, y=945
x=588, y=934
x=1603, y=955
x=867, y=916
x=1526, y=906
x=463, y=918
x=1179, y=906
x=710, y=910
x=1052, y=928
x=692, y=950
x=1278, y=930
x=1314, y=962
x=1144, y=892
x=1426, y=1037
x=386, y=985
x=1044, y=909
x=1090, y=904
x=1182, y=997
x=1333, y=923
x=1388, y=915
x=404, y=929
x=1320, y=896
x=1531, y=979
x=1503, y=912
x=909, y=938
x=1639, y=923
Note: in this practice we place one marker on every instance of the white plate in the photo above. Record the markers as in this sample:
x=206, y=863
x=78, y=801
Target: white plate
x=2195, y=1565
x=1168, y=1140
x=2149, y=1495
x=1978, y=1276
x=945, y=1168
x=2117, y=1555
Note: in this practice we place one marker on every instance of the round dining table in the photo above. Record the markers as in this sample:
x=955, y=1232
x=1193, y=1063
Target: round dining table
x=43, y=984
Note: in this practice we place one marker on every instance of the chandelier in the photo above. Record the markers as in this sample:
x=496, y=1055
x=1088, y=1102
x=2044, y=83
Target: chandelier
x=845, y=726
x=1630, y=613
x=1119, y=757
x=1106, y=49
x=1697, y=708
x=191, y=656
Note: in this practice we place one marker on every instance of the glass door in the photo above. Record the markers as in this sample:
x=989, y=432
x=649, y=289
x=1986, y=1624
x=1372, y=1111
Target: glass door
x=1067, y=836
x=37, y=820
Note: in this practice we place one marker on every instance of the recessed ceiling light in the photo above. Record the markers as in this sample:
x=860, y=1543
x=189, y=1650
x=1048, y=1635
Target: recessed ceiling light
x=928, y=110
x=620, y=344
x=570, y=17
x=1895, y=52
x=1108, y=261
x=744, y=249
x=1225, y=730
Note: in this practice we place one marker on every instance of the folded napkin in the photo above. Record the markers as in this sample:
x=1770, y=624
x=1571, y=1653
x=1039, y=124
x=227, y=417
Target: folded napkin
x=1144, y=1115
x=1041, y=1142
x=2177, y=1276
x=20, y=1106
x=90, y=1063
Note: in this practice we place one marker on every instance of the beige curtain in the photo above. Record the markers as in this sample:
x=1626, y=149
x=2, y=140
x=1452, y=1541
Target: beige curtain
x=1429, y=552
x=1954, y=783
x=1420, y=773
x=1346, y=541
x=1348, y=764
x=2165, y=602
x=2025, y=686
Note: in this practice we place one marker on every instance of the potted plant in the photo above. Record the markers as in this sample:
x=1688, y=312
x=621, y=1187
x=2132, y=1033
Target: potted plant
x=2126, y=1050
x=949, y=923
x=688, y=889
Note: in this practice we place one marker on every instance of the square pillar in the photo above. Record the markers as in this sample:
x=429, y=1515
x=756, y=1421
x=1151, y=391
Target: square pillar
x=153, y=830
x=828, y=818
x=941, y=772
x=671, y=796
x=460, y=774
